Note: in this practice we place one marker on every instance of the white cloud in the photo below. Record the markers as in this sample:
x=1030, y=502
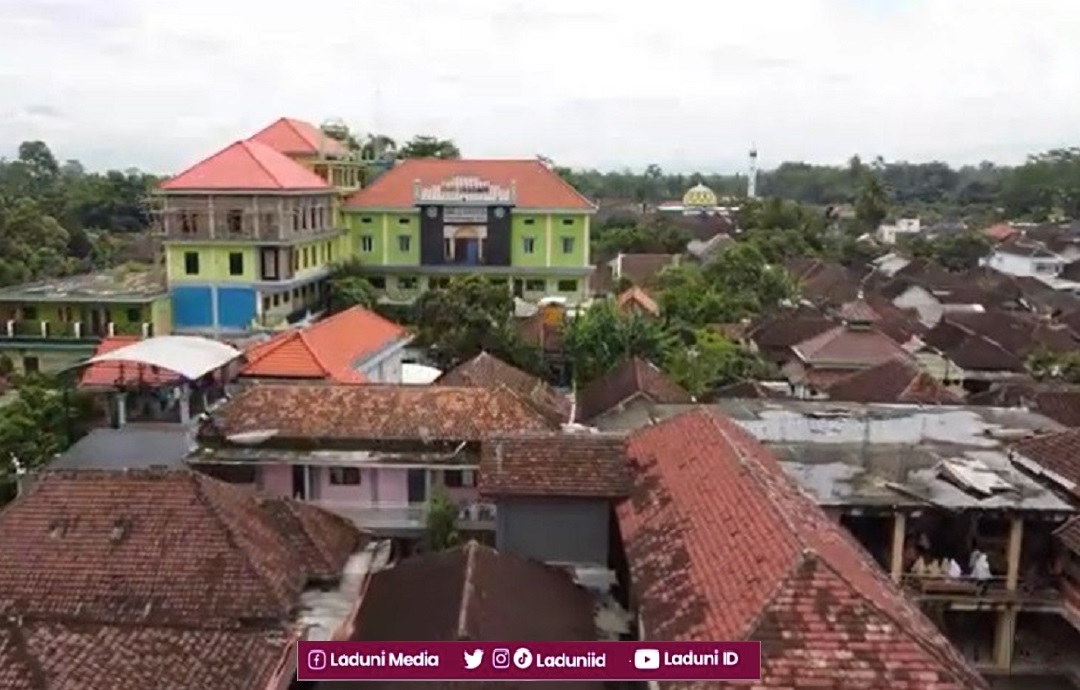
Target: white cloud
x=688, y=84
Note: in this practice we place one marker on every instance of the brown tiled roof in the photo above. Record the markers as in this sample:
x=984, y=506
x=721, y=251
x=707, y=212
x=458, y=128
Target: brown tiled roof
x=745, y=389
x=642, y=269
x=487, y=371
x=580, y=465
x=776, y=334
x=322, y=540
x=378, y=412
x=825, y=282
x=41, y=655
x=858, y=311
x=537, y=331
x=149, y=547
x=1057, y=401
x=723, y=545
x=844, y=346
x=628, y=380
x=1019, y=333
x=977, y=353
x=601, y=280
x=474, y=593
x=894, y=381
x=1069, y=535
x=1058, y=453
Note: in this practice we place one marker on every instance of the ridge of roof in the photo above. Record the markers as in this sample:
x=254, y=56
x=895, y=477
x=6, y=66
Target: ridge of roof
x=249, y=152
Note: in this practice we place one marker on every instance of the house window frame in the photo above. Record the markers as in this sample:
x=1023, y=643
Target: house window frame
x=191, y=263
x=345, y=476
x=236, y=263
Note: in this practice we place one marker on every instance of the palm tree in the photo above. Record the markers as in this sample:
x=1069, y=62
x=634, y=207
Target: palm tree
x=378, y=147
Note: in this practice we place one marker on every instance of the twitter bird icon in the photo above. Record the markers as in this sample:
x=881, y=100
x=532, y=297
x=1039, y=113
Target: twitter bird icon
x=472, y=660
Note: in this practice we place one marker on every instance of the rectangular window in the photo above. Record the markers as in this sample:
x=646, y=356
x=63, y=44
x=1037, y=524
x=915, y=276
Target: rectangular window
x=407, y=283
x=134, y=315
x=530, y=244
x=329, y=252
x=404, y=242
x=29, y=313
x=276, y=300
x=266, y=304
x=377, y=282
x=191, y=263
x=236, y=263
x=403, y=221
x=453, y=479
x=567, y=221
x=567, y=286
x=306, y=261
x=567, y=245
x=295, y=260
x=367, y=243
x=535, y=285
x=530, y=221
x=345, y=476
x=366, y=220
x=234, y=221
x=31, y=365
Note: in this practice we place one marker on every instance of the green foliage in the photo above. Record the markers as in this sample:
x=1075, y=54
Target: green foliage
x=1063, y=366
x=958, y=252
x=871, y=202
x=710, y=361
x=441, y=526
x=425, y=146
x=1045, y=188
x=602, y=336
x=656, y=237
x=470, y=314
x=349, y=288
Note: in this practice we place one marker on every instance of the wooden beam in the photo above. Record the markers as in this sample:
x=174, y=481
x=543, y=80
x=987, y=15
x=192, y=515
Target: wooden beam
x=896, y=561
x=1004, y=632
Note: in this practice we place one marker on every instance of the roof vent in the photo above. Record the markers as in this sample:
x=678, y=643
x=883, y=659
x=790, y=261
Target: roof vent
x=119, y=531
x=57, y=528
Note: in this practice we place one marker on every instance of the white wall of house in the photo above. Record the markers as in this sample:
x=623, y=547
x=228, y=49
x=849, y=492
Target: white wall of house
x=1014, y=265
x=888, y=234
x=923, y=302
x=385, y=366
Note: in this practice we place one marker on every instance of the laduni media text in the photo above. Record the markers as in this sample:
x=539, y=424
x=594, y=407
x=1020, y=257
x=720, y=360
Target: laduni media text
x=529, y=661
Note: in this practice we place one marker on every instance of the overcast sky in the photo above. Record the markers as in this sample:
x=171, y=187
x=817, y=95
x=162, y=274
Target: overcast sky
x=158, y=84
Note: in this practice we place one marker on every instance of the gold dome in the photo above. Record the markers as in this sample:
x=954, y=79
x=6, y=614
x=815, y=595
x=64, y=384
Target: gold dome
x=700, y=196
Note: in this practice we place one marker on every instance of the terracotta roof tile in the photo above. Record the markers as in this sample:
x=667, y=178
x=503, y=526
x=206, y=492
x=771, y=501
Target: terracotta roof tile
x=844, y=346
x=536, y=185
x=115, y=374
x=293, y=137
x=50, y=655
x=893, y=381
x=322, y=540
x=825, y=282
x=745, y=389
x=637, y=298
x=329, y=349
x=777, y=333
x=722, y=544
x=474, y=593
x=583, y=465
x=1069, y=535
x=858, y=311
x=538, y=331
x=246, y=166
x=377, y=412
x=487, y=371
x=630, y=379
x=1000, y=232
x=1059, y=453
x=1055, y=400
x=148, y=547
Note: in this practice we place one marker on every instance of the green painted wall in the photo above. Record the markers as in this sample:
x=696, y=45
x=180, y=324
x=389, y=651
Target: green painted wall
x=161, y=316
x=61, y=317
x=403, y=239
x=213, y=263
x=369, y=226
x=525, y=227
x=575, y=229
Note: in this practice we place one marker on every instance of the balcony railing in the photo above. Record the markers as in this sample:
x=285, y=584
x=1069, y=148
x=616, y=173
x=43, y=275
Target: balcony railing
x=472, y=515
x=34, y=329
x=1032, y=589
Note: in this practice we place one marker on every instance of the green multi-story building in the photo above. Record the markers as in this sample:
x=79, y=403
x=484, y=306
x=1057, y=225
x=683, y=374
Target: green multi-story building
x=425, y=221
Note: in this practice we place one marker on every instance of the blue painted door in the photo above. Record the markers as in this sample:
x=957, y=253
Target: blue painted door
x=236, y=307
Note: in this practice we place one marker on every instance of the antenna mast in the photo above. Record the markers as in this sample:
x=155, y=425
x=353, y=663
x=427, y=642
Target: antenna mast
x=751, y=184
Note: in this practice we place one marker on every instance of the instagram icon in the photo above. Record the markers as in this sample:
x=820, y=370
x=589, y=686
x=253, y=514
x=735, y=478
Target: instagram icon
x=316, y=659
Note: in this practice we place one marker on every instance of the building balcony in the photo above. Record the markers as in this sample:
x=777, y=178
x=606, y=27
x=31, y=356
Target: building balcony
x=965, y=592
x=473, y=516
x=35, y=329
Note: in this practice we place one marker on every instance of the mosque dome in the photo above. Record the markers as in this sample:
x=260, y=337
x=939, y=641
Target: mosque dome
x=699, y=196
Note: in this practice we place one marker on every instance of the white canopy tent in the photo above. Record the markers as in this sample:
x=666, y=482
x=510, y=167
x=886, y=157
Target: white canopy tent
x=190, y=356
x=418, y=374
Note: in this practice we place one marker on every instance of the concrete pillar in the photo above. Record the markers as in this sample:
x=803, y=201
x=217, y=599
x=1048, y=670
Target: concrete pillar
x=896, y=557
x=121, y=409
x=185, y=405
x=1016, y=538
x=1004, y=632
x=307, y=483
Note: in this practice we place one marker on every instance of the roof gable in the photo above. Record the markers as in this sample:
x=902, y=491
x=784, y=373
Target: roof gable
x=327, y=349
x=246, y=166
x=846, y=346
x=894, y=381
x=583, y=465
x=293, y=137
x=630, y=378
x=769, y=575
x=536, y=186
x=488, y=371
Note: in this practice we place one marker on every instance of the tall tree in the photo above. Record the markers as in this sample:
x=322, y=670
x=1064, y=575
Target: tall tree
x=425, y=146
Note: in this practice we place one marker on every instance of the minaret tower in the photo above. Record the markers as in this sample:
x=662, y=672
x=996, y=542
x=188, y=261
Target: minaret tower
x=751, y=185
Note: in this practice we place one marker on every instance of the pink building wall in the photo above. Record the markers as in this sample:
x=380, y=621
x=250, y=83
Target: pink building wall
x=276, y=480
x=383, y=486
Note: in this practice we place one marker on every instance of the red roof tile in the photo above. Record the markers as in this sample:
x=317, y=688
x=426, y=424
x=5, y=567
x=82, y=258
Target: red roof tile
x=149, y=547
x=536, y=185
x=723, y=545
x=636, y=297
x=373, y=412
x=117, y=374
x=858, y=311
x=629, y=380
x=487, y=371
x=893, y=381
x=1000, y=232
x=246, y=166
x=328, y=349
x=298, y=138
x=1059, y=453
x=844, y=346
x=49, y=655
x=577, y=465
